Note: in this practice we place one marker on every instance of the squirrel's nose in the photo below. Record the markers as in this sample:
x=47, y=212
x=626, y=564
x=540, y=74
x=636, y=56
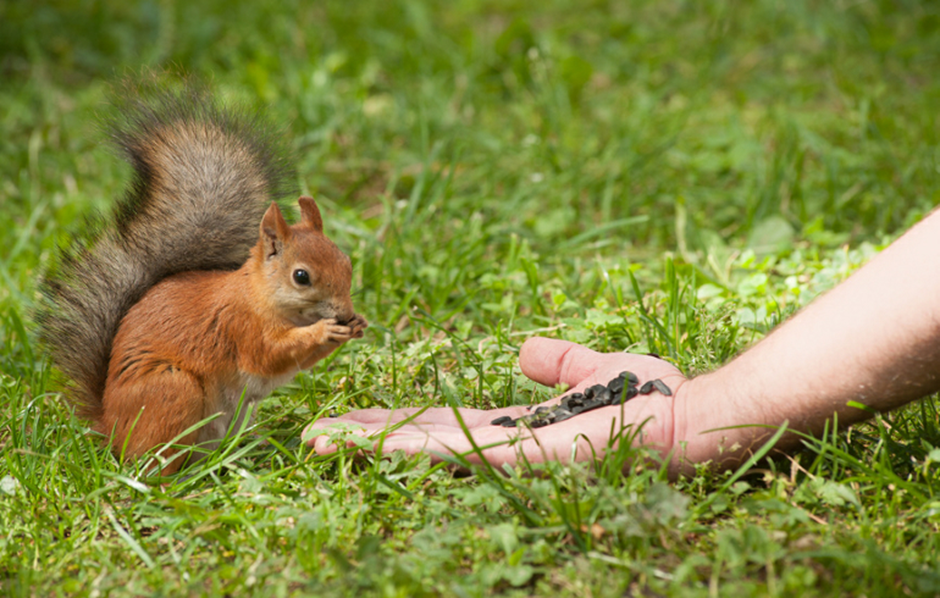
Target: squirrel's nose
x=344, y=320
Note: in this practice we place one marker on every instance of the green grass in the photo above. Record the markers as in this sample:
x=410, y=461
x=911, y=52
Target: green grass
x=662, y=176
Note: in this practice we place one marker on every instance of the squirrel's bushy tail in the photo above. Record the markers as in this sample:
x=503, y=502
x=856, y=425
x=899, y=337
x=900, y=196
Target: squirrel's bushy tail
x=203, y=177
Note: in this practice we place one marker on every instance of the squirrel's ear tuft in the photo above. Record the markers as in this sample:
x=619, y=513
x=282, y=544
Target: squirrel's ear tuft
x=310, y=213
x=274, y=231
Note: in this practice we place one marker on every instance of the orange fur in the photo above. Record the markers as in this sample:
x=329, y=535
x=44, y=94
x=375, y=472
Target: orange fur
x=198, y=340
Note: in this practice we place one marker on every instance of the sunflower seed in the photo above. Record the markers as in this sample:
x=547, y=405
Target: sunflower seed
x=619, y=390
x=661, y=387
x=616, y=385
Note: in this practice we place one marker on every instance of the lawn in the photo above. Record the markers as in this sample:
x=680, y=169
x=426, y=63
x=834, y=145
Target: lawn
x=652, y=176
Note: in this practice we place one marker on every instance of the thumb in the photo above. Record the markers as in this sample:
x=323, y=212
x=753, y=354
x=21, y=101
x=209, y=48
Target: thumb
x=551, y=361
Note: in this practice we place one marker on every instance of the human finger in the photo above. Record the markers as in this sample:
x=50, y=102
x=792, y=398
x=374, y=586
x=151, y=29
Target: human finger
x=550, y=361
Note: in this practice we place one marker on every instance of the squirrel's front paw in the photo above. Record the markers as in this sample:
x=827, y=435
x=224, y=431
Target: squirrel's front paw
x=334, y=332
x=357, y=325
x=340, y=332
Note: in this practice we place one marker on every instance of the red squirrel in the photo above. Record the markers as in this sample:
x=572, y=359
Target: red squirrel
x=153, y=324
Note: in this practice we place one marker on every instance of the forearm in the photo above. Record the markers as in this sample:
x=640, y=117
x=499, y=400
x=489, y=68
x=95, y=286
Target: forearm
x=875, y=339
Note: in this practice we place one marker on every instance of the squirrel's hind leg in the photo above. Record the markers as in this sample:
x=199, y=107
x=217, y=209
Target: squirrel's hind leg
x=152, y=410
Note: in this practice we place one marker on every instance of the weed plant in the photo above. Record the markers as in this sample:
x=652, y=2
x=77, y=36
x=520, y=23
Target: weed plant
x=656, y=175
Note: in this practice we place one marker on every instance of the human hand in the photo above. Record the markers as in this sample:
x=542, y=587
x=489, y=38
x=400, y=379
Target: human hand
x=437, y=430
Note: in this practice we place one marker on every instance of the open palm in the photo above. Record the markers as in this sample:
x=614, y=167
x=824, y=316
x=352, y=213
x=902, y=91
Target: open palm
x=550, y=362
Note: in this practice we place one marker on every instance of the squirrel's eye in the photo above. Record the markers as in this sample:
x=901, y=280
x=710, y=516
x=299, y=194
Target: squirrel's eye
x=302, y=277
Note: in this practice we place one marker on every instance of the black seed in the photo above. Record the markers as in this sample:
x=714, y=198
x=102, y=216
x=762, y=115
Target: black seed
x=616, y=385
x=656, y=355
x=631, y=377
x=619, y=390
x=661, y=387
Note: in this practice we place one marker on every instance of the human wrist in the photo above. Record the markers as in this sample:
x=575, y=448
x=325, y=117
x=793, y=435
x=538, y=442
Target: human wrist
x=719, y=419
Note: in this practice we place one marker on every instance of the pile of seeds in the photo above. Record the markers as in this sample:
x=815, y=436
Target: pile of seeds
x=619, y=390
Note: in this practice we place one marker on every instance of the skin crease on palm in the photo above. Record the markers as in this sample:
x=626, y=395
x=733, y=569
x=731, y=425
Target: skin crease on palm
x=873, y=340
